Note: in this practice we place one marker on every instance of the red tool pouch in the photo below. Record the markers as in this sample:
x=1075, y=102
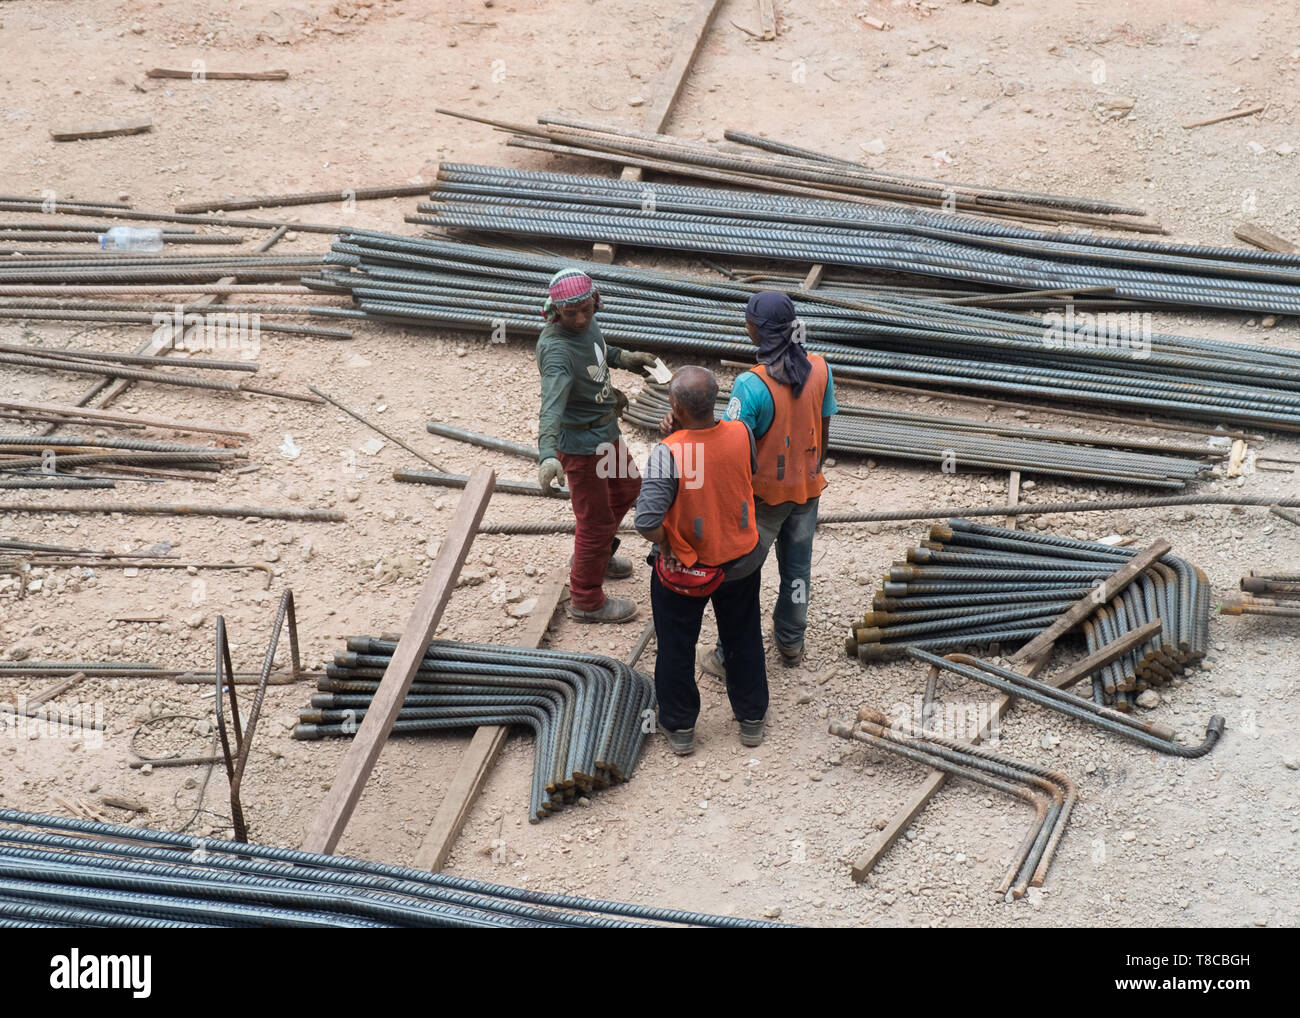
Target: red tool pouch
x=693, y=581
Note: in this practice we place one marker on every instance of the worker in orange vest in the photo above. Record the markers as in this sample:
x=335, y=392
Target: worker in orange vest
x=697, y=507
x=787, y=400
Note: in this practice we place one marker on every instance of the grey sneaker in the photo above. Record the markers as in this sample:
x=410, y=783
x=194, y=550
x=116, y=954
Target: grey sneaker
x=751, y=732
x=711, y=664
x=615, y=609
x=681, y=741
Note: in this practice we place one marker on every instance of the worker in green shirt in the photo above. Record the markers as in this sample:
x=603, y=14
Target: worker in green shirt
x=578, y=438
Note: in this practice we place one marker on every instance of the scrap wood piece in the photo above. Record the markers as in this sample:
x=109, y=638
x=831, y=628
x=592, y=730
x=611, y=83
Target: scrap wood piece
x=1013, y=496
x=485, y=745
x=767, y=20
x=1226, y=116
x=363, y=751
x=103, y=129
x=1033, y=655
x=1252, y=233
x=205, y=75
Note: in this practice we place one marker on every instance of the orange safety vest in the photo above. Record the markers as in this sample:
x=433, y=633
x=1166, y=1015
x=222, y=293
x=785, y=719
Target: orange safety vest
x=789, y=453
x=711, y=521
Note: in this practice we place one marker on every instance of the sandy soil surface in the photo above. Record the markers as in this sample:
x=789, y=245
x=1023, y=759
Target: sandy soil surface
x=1074, y=97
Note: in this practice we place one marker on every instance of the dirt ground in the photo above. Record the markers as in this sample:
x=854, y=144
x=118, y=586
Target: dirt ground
x=1075, y=97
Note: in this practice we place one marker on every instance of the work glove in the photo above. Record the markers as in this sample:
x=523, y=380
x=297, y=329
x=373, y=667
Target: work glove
x=549, y=470
x=634, y=360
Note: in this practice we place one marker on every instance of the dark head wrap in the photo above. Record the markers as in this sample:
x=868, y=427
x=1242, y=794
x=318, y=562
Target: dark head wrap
x=780, y=338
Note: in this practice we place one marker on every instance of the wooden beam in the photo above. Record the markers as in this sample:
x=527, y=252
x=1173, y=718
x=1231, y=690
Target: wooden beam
x=206, y=75
x=1100, y=658
x=692, y=29
x=766, y=20
x=484, y=746
x=336, y=809
x=1254, y=234
x=1013, y=496
x=814, y=277
x=1033, y=657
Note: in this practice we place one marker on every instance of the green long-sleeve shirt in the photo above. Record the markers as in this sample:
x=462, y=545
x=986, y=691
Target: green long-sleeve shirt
x=576, y=390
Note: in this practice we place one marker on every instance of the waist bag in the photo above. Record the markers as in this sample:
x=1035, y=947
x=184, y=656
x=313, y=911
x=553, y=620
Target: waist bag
x=692, y=581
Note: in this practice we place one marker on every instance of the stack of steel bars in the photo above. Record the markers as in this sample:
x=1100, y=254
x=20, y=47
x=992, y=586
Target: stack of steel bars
x=1151, y=734
x=587, y=712
x=1051, y=794
x=792, y=170
x=1281, y=595
x=46, y=461
x=976, y=445
x=677, y=217
x=975, y=585
x=64, y=872
x=882, y=339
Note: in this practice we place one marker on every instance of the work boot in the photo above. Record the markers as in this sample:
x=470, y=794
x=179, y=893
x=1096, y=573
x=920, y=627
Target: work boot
x=751, y=732
x=711, y=664
x=791, y=657
x=682, y=741
x=619, y=568
x=615, y=609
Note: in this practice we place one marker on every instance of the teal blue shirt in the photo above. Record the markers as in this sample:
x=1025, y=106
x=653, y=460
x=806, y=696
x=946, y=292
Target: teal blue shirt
x=751, y=402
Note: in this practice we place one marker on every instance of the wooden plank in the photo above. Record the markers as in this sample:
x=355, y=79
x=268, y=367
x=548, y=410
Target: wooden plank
x=814, y=277
x=766, y=20
x=484, y=746
x=1100, y=658
x=104, y=129
x=1254, y=234
x=206, y=75
x=1041, y=645
x=1226, y=116
x=1032, y=658
x=1013, y=496
x=336, y=809
x=693, y=28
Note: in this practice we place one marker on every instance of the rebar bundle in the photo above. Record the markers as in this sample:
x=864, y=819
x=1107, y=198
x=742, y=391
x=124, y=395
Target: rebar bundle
x=588, y=713
x=748, y=224
x=883, y=338
x=1281, y=590
x=793, y=170
x=65, y=872
x=957, y=444
x=972, y=585
x=1051, y=794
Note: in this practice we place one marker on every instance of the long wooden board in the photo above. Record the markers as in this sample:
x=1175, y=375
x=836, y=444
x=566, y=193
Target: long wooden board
x=484, y=746
x=693, y=30
x=336, y=809
x=1034, y=657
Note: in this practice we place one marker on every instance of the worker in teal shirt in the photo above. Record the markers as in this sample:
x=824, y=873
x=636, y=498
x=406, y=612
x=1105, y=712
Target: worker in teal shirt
x=787, y=400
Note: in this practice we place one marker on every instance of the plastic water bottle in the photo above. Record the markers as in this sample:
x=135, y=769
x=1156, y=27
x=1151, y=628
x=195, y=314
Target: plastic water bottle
x=132, y=238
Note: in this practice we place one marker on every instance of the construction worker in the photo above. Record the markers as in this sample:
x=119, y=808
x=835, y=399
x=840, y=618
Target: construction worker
x=787, y=400
x=697, y=507
x=578, y=438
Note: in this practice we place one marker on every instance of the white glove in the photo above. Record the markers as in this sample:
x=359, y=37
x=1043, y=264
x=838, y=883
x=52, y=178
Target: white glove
x=549, y=470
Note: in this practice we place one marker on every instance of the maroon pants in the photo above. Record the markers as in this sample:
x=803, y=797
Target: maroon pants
x=602, y=488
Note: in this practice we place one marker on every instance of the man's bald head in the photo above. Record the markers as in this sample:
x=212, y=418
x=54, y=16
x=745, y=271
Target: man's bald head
x=692, y=393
